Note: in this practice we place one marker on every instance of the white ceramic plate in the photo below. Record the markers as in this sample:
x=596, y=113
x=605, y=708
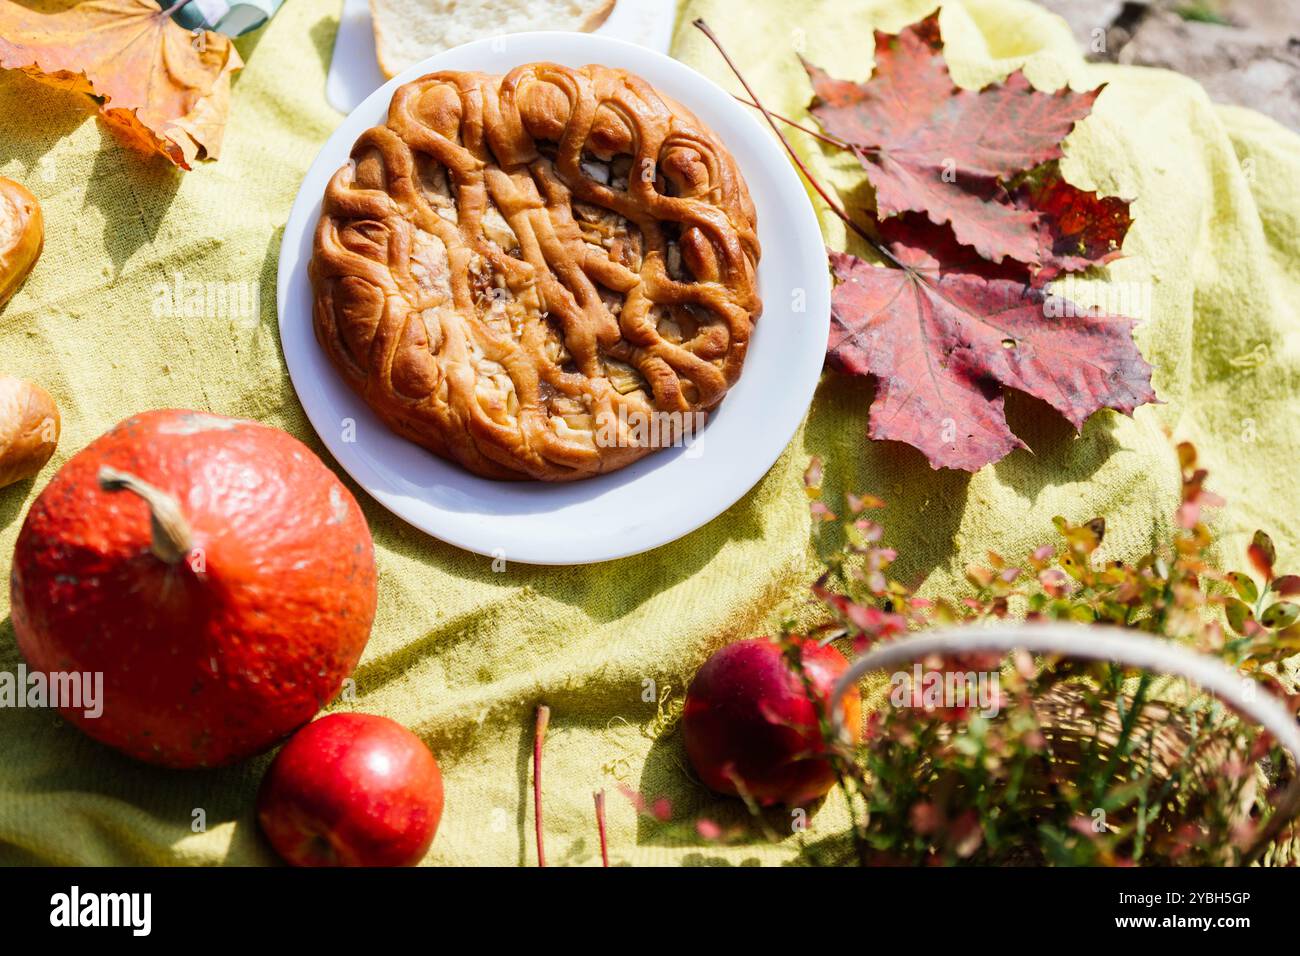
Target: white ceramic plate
x=659, y=498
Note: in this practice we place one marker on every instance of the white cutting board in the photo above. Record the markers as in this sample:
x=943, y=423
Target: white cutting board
x=354, y=73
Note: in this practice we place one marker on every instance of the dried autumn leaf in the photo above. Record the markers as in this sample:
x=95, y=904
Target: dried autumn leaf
x=1076, y=229
x=1280, y=615
x=1287, y=585
x=941, y=333
x=859, y=503
x=812, y=477
x=1098, y=528
x=931, y=147
x=870, y=620
x=161, y=88
x=1244, y=585
x=961, y=314
x=1240, y=616
x=1262, y=554
x=820, y=512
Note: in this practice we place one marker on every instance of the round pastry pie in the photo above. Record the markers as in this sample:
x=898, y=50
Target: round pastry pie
x=545, y=275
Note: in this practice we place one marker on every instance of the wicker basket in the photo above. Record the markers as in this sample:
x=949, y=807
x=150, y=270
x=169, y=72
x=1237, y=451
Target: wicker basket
x=1070, y=721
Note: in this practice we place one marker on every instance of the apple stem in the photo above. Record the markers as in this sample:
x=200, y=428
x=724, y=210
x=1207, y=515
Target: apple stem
x=599, y=797
x=539, y=736
x=835, y=207
x=172, y=538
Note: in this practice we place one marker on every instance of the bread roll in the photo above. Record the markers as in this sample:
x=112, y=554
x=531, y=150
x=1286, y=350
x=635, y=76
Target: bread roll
x=29, y=429
x=22, y=234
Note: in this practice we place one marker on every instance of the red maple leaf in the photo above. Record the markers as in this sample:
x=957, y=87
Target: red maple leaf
x=943, y=332
x=931, y=147
x=975, y=218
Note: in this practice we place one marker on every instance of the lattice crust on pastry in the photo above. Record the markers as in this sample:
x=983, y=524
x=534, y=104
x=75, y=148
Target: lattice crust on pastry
x=520, y=273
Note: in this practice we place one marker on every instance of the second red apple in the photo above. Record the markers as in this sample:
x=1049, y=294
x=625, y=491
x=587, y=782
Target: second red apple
x=352, y=790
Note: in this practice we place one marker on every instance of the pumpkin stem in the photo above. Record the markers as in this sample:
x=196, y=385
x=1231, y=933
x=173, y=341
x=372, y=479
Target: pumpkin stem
x=172, y=538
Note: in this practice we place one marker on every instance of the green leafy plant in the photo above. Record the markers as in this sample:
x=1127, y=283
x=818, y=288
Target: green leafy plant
x=1076, y=763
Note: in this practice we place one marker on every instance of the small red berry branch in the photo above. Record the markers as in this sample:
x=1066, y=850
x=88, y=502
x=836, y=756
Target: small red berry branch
x=539, y=737
x=599, y=797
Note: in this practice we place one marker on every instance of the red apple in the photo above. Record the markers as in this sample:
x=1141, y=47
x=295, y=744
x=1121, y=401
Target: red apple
x=749, y=723
x=352, y=790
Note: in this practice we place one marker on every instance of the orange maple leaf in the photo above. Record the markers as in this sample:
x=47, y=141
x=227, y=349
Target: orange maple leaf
x=161, y=88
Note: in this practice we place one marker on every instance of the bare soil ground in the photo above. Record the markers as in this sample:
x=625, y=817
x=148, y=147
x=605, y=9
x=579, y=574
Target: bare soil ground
x=1242, y=51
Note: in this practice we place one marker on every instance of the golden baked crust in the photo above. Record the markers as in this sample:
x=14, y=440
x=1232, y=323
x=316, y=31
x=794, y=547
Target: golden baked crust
x=522, y=273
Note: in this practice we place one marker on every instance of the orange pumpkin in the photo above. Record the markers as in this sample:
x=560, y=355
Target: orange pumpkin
x=217, y=574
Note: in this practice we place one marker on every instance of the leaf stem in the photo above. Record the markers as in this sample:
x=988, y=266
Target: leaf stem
x=539, y=737
x=814, y=133
x=835, y=207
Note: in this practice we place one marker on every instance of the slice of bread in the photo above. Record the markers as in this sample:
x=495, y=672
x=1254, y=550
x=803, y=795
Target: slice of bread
x=408, y=31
